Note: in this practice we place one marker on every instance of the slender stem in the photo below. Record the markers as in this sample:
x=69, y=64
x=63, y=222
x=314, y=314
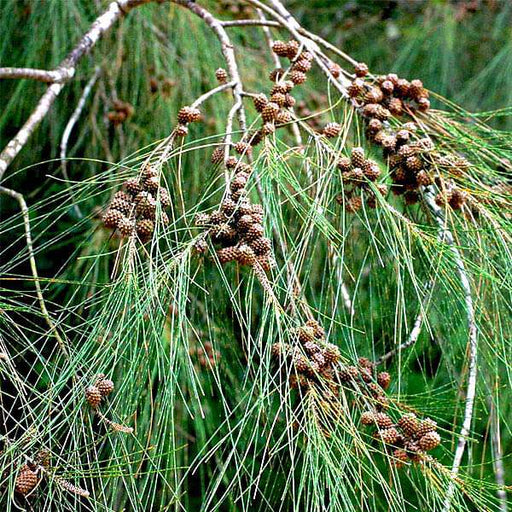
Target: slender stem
x=446, y=236
x=211, y=92
x=41, y=75
x=246, y=23
x=33, y=267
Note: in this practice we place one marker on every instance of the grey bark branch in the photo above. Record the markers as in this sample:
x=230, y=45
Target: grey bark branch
x=41, y=75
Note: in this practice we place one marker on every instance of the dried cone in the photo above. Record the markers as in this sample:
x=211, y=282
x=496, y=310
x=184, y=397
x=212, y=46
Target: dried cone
x=227, y=254
x=217, y=155
x=332, y=353
x=126, y=226
x=332, y=130
x=105, y=387
x=384, y=379
x=429, y=441
x=188, y=115
x=400, y=458
x=270, y=112
x=246, y=255
x=389, y=435
x=306, y=333
x=383, y=420
x=344, y=164
x=243, y=148
x=361, y=69
x=303, y=65
x=93, y=396
x=368, y=418
x=297, y=77
x=181, y=130
x=260, y=102
x=355, y=88
x=25, y=481
x=409, y=424
x=221, y=75
x=280, y=48
x=112, y=218
x=292, y=48
x=353, y=204
x=357, y=157
x=426, y=426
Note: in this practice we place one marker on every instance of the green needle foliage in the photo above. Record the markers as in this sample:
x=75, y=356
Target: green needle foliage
x=202, y=415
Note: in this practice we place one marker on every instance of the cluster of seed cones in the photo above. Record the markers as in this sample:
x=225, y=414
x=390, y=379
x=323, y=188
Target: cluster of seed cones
x=387, y=95
x=312, y=358
x=408, y=438
x=101, y=388
x=206, y=356
x=238, y=225
x=121, y=111
x=357, y=173
x=134, y=210
x=414, y=161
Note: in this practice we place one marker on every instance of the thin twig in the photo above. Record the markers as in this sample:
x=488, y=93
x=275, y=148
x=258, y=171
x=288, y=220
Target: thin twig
x=211, y=92
x=446, y=236
x=41, y=75
x=69, y=127
x=30, y=247
x=246, y=23
x=66, y=69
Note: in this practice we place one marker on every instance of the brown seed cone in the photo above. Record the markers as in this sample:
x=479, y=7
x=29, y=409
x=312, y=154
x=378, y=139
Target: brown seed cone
x=425, y=144
x=399, y=175
x=406, y=151
x=403, y=136
x=244, y=223
x=382, y=113
x=311, y=347
x=374, y=125
x=414, y=163
x=396, y=107
x=411, y=197
x=265, y=261
x=409, y=424
x=297, y=77
x=228, y=206
x=458, y=199
x=335, y=69
x=181, y=130
x=221, y=75
x=26, y=480
x=416, y=89
x=302, y=65
x=371, y=110
x=427, y=425
x=423, y=179
x=344, y=164
x=348, y=373
x=227, y=254
x=332, y=130
x=260, y=102
x=283, y=117
x=423, y=104
x=268, y=128
x=126, y=226
x=368, y=418
x=200, y=246
x=412, y=449
x=133, y=186
x=261, y=245
x=270, y=112
x=371, y=170
x=402, y=88
x=145, y=204
x=373, y=95
x=357, y=157
x=238, y=182
x=243, y=148
x=278, y=98
x=306, y=333
x=292, y=48
x=223, y=233
x=280, y=48
x=355, y=88
x=246, y=255
x=319, y=330
x=301, y=363
x=366, y=374
x=217, y=155
x=388, y=435
x=289, y=101
x=429, y=441
x=383, y=420
x=164, y=197
x=105, y=387
x=202, y=219
x=254, y=232
x=331, y=353
x=188, y=115
x=383, y=379
x=93, y=396
x=112, y=218
x=364, y=362
x=399, y=458
x=353, y=204
x=360, y=69
x=319, y=359
x=379, y=137
x=145, y=228
x=387, y=87
x=152, y=183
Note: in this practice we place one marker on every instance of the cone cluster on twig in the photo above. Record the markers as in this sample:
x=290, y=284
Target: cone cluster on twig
x=357, y=172
x=407, y=440
x=187, y=115
x=414, y=161
x=237, y=226
x=133, y=211
x=101, y=388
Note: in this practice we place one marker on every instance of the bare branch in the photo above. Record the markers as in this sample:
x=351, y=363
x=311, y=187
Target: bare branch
x=41, y=75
